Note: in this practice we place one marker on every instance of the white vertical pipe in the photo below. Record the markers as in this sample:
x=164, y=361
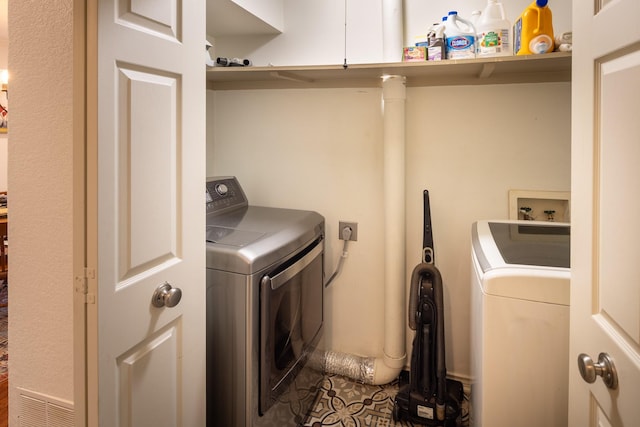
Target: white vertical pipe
x=394, y=95
x=383, y=370
x=392, y=30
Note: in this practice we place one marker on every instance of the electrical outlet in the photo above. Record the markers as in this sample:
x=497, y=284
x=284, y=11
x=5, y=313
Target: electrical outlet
x=354, y=230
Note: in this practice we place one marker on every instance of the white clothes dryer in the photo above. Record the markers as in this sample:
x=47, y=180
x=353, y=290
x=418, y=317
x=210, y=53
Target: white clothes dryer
x=520, y=323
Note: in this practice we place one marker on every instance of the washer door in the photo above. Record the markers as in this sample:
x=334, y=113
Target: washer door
x=291, y=307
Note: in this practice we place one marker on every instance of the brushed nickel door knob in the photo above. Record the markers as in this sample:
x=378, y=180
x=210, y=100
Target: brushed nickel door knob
x=605, y=368
x=166, y=296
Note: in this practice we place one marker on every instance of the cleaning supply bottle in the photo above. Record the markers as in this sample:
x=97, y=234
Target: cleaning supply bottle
x=460, y=37
x=494, y=31
x=533, y=31
x=475, y=17
x=436, y=46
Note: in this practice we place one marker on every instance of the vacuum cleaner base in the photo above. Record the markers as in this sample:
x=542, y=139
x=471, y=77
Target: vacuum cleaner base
x=412, y=405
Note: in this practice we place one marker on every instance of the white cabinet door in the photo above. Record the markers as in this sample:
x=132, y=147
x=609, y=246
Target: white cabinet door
x=150, y=212
x=605, y=289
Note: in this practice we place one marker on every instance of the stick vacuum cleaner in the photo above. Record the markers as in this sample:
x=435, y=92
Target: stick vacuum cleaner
x=429, y=398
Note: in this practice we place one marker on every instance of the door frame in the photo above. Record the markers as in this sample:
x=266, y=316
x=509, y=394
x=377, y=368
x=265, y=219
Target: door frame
x=85, y=212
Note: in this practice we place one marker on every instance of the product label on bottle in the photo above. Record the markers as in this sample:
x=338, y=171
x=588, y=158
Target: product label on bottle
x=461, y=47
x=436, y=51
x=517, y=36
x=493, y=42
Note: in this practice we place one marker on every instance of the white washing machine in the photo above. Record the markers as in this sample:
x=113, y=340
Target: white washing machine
x=520, y=324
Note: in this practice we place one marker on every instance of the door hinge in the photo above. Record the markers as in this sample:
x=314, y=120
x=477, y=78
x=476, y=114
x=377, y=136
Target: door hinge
x=82, y=285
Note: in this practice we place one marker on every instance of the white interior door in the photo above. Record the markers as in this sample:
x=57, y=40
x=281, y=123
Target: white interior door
x=605, y=290
x=150, y=212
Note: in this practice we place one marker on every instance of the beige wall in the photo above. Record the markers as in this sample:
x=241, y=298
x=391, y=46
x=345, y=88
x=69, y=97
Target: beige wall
x=322, y=150
x=40, y=178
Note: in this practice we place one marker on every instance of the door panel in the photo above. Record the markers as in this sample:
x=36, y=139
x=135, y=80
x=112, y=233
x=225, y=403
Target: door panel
x=147, y=116
x=605, y=289
x=160, y=17
x=601, y=419
x=618, y=288
x=157, y=355
x=150, y=212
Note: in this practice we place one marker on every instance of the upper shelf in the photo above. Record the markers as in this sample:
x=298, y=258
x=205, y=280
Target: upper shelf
x=551, y=67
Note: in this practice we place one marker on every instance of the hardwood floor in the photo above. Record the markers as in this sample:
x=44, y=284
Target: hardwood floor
x=4, y=403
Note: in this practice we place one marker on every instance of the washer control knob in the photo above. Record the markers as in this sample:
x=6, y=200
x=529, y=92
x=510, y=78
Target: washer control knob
x=222, y=189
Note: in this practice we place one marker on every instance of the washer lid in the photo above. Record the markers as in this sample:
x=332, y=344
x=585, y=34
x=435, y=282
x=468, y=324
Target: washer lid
x=531, y=244
x=523, y=259
x=521, y=243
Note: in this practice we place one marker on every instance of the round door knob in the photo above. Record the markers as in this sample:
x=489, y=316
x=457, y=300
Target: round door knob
x=166, y=296
x=589, y=370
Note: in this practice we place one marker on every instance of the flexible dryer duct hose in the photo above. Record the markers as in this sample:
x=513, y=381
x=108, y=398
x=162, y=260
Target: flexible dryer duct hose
x=383, y=370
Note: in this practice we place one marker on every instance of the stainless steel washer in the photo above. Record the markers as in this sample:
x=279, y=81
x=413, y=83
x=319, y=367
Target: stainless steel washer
x=264, y=309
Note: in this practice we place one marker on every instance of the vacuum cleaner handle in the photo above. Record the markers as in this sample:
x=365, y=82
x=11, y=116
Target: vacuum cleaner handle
x=428, y=255
x=414, y=298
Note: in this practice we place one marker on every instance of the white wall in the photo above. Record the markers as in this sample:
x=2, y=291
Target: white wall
x=322, y=150
x=315, y=32
x=40, y=177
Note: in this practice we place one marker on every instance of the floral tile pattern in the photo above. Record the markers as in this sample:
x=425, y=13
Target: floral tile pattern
x=344, y=403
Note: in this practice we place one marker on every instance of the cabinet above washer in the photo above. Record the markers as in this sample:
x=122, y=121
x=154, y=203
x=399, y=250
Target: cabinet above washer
x=244, y=17
x=551, y=67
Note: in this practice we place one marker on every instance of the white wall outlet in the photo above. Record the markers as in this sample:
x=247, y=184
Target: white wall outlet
x=354, y=230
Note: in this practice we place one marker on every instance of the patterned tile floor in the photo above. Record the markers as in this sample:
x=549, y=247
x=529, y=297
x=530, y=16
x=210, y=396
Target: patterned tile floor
x=344, y=403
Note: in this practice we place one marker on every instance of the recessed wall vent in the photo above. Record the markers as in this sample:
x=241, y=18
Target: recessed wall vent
x=39, y=410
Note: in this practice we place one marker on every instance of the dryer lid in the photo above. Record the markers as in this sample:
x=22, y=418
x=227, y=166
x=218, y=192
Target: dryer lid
x=248, y=240
x=231, y=236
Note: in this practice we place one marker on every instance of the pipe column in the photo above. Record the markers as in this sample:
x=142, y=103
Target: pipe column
x=394, y=96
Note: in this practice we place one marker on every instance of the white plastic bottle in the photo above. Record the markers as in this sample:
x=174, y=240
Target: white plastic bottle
x=494, y=31
x=460, y=37
x=475, y=17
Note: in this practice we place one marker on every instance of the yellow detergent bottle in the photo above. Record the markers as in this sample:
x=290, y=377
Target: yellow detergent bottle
x=533, y=31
